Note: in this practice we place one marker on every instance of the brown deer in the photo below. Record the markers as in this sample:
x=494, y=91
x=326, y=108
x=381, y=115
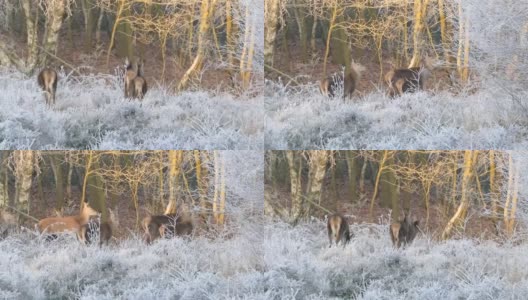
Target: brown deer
x=403, y=232
x=409, y=80
x=329, y=85
x=72, y=224
x=338, y=231
x=135, y=83
x=130, y=74
x=47, y=80
x=166, y=226
x=140, y=84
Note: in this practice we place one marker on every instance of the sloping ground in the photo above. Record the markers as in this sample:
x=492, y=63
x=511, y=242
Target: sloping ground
x=91, y=113
x=300, y=265
x=300, y=118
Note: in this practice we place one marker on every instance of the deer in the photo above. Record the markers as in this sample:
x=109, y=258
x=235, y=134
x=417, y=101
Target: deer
x=71, y=224
x=329, y=85
x=140, y=83
x=403, y=232
x=167, y=225
x=409, y=80
x=130, y=74
x=338, y=231
x=47, y=79
x=135, y=83
x=95, y=227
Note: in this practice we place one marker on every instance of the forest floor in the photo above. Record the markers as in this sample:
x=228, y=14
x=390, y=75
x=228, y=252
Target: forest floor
x=492, y=116
x=214, y=77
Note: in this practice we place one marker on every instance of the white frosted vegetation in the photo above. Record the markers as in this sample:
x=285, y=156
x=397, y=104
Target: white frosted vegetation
x=271, y=260
x=301, y=118
x=200, y=268
x=300, y=265
x=90, y=112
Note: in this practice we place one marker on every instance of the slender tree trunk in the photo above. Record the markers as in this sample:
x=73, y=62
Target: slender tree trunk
x=175, y=160
x=32, y=33
x=318, y=159
x=271, y=17
x=51, y=38
x=221, y=216
x=206, y=10
x=362, y=191
x=297, y=201
x=89, y=18
x=97, y=191
x=494, y=189
x=24, y=171
x=469, y=161
x=419, y=12
x=216, y=185
x=201, y=179
x=4, y=199
x=69, y=178
x=56, y=166
x=376, y=184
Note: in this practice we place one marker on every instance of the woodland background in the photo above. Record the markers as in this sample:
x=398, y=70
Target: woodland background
x=475, y=98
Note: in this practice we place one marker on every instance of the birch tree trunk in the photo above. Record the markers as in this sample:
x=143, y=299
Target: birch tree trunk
x=318, y=159
x=297, y=201
x=55, y=16
x=271, y=19
x=24, y=174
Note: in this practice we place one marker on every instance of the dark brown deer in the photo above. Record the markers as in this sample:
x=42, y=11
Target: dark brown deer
x=403, y=232
x=166, y=226
x=409, y=80
x=338, y=231
x=140, y=84
x=329, y=85
x=47, y=80
x=90, y=230
x=130, y=73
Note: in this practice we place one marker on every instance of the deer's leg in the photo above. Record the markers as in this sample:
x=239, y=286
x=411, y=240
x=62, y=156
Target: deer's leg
x=399, y=86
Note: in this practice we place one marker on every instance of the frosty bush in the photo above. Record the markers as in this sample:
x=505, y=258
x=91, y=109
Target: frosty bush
x=300, y=265
x=200, y=268
x=90, y=112
x=303, y=119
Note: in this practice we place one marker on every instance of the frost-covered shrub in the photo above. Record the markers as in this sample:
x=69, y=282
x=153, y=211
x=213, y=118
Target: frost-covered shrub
x=303, y=119
x=90, y=112
x=300, y=265
x=197, y=268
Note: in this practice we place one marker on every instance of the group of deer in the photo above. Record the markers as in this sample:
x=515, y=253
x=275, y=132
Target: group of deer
x=399, y=81
x=87, y=226
x=402, y=232
x=135, y=82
